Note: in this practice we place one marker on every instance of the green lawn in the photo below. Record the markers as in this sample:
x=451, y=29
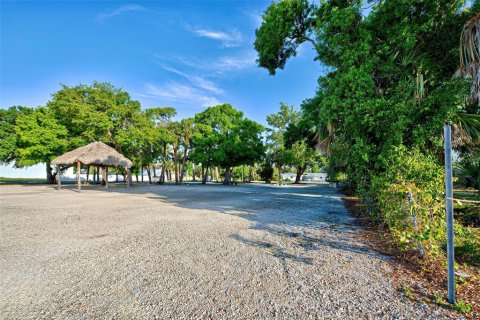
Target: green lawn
x=21, y=180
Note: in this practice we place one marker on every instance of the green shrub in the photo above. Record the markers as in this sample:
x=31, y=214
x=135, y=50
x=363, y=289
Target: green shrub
x=266, y=172
x=420, y=175
x=468, y=168
x=411, y=172
x=467, y=244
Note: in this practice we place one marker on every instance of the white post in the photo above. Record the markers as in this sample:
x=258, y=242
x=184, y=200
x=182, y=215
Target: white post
x=449, y=211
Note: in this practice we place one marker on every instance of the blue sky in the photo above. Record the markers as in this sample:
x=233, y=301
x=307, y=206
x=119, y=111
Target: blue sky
x=187, y=55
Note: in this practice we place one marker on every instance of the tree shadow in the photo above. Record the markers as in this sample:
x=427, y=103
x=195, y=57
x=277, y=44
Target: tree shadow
x=281, y=211
x=274, y=250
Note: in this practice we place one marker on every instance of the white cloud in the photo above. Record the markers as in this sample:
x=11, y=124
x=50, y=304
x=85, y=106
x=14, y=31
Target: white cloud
x=229, y=40
x=212, y=66
x=225, y=64
x=255, y=17
x=120, y=10
x=180, y=93
x=196, y=81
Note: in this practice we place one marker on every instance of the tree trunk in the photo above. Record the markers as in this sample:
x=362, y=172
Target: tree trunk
x=141, y=172
x=154, y=171
x=50, y=176
x=164, y=162
x=300, y=171
x=183, y=164
x=116, y=174
x=226, y=180
x=136, y=175
x=193, y=171
x=299, y=175
x=175, y=163
x=149, y=174
x=217, y=174
x=204, y=173
x=250, y=178
x=161, y=179
x=243, y=173
x=279, y=174
x=129, y=179
x=104, y=177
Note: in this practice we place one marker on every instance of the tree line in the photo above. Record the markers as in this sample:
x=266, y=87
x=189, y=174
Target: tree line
x=394, y=74
x=217, y=141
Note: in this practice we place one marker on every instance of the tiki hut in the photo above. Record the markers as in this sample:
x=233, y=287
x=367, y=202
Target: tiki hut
x=96, y=154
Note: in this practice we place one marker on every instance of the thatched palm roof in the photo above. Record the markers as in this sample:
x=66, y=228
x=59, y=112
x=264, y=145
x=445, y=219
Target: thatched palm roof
x=95, y=153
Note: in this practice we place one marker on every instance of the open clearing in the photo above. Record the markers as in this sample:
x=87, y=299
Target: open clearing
x=192, y=251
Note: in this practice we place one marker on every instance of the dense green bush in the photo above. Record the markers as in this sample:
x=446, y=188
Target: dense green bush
x=266, y=172
x=411, y=172
x=468, y=169
x=467, y=244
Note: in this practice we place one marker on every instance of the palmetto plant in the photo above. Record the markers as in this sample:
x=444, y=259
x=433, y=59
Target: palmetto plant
x=325, y=137
x=470, y=56
x=466, y=127
x=468, y=169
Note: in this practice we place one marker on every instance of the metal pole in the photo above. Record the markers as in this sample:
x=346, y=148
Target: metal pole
x=449, y=211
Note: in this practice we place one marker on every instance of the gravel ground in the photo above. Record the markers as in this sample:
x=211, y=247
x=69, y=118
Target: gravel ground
x=192, y=251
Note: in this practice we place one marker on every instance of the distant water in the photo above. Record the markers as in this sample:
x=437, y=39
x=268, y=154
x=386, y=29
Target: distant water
x=36, y=171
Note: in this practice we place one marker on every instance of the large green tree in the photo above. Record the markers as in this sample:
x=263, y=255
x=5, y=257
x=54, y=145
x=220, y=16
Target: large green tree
x=40, y=138
x=161, y=118
x=278, y=123
x=8, y=136
x=390, y=74
x=226, y=139
x=96, y=112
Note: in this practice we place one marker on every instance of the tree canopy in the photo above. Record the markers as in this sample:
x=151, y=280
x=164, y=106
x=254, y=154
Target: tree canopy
x=388, y=89
x=226, y=138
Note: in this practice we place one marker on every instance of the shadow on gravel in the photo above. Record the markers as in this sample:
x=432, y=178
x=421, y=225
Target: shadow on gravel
x=312, y=243
x=274, y=250
x=281, y=211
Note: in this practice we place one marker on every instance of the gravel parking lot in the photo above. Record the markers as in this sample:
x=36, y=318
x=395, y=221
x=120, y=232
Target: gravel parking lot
x=191, y=251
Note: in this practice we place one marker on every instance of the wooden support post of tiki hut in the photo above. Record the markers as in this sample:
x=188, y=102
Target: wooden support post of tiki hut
x=59, y=181
x=94, y=154
x=79, y=186
x=127, y=170
x=106, y=177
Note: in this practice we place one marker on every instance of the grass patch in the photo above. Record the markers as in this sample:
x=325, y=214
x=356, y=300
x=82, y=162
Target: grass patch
x=466, y=194
x=21, y=180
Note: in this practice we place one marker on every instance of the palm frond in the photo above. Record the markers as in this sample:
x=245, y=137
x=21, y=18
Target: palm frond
x=469, y=67
x=325, y=137
x=466, y=131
